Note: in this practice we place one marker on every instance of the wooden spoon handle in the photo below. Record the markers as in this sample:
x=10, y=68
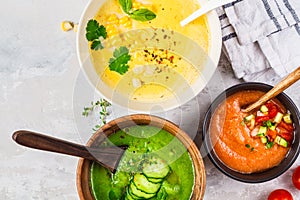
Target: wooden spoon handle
x=280, y=87
x=108, y=157
x=47, y=143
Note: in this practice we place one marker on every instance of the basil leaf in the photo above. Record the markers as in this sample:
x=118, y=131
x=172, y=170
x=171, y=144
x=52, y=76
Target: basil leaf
x=142, y=14
x=126, y=5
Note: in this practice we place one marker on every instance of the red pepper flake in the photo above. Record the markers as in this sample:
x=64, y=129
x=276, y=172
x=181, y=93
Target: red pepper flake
x=171, y=59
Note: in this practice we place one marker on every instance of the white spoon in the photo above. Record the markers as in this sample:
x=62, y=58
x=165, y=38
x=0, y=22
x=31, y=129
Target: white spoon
x=210, y=5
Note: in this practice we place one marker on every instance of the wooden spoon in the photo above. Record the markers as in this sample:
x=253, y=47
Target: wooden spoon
x=277, y=89
x=108, y=157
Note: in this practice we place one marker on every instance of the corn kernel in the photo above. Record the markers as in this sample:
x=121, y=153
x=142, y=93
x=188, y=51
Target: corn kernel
x=128, y=24
x=111, y=30
x=112, y=33
x=123, y=20
x=67, y=25
x=110, y=26
x=112, y=18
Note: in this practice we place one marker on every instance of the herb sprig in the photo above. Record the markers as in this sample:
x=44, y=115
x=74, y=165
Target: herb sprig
x=94, y=32
x=103, y=113
x=119, y=62
x=142, y=14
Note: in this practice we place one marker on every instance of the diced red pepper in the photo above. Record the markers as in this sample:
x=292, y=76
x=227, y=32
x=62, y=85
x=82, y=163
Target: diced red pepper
x=271, y=134
x=288, y=127
x=285, y=134
x=272, y=109
x=269, y=104
x=262, y=118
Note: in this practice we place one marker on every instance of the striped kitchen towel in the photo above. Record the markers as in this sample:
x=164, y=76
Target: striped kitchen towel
x=261, y=38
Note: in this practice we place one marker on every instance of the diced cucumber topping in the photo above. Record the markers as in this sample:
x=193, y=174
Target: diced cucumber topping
x=278, y=117
x=268, y=123
x=249, y=117
x=287, y=118
x=264, y=109
x=264, y=139
x=272, y=128
x=282, y=142
x=143, y=184
x=262, y=131
x=269, y=145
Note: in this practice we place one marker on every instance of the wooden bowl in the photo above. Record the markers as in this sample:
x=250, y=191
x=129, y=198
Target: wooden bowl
x=83, y=169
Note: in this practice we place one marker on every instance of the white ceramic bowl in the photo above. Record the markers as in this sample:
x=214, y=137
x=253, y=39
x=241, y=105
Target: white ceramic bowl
x=182, y=97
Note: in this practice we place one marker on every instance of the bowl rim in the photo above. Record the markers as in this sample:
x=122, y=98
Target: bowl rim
x=268, y=174
x=214, y=53
x=83, y=185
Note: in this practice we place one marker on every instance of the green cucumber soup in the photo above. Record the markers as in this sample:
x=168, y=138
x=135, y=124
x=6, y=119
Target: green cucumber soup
x=156, y=165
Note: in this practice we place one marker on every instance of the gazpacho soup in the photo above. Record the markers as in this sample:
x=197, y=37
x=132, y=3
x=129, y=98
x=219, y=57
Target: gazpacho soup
x=156, y=165
x=251, y=142
x=139, y=49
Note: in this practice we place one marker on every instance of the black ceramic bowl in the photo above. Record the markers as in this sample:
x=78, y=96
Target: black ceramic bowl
x=259, y=176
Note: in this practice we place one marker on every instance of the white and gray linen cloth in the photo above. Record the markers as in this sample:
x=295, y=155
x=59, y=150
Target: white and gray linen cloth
x=261, y=38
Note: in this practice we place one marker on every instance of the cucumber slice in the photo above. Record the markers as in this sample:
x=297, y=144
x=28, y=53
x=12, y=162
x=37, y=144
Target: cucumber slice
x=139, y=193
x=155, y=180
x=130, y=196
x=155, y=167
x=143, y=184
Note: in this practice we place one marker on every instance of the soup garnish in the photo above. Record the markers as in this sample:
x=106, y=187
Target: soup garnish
x=271, y=125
